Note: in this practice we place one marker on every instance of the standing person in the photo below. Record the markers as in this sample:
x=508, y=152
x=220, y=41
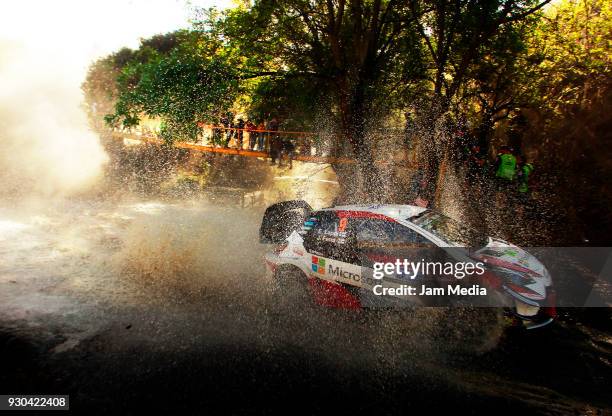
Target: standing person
x=463, y=141
x=409, y=130
x=475, y=165
x=288, y=148
x=505, y=164
x=524, y=197
x=261, y=136
x=229, y=132
x=275, y=141
x=250, y=127
x=306, y=146
x=239, y=133
x=523, y=178
x=417, y=187
x=225, y=122
x=505, y=172
x=517, y=128
x=216, y=136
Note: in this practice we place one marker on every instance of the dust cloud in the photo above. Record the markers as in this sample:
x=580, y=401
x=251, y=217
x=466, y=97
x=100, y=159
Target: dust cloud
x=46, y=146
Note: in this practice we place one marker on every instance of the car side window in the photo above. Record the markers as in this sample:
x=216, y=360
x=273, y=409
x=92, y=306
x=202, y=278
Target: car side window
x=327, y=224
x=373, y=231
x=402, y=234
x=328, y=236
x=320, y=232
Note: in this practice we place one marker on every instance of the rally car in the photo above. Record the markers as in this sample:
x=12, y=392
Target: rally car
x=331, y=251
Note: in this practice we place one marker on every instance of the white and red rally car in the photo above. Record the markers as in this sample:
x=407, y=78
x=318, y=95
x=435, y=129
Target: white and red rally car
x=331, y=250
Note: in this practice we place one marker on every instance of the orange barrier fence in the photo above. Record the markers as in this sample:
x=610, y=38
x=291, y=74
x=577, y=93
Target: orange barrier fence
x=246, y=152
x=231, y=150
x=255, y=130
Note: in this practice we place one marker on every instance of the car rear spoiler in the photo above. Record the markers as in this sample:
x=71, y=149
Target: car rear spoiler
x=281, y=219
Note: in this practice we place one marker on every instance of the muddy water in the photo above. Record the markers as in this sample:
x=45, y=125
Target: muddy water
x=81, y=267
x=175, y=292
x=62, y=259
x=58, y=256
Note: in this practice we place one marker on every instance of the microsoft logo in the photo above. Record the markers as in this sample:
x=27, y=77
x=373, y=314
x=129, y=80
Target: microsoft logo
x=318, y=265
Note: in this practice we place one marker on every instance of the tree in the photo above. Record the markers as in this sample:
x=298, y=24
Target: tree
x=571, y=86
x=297, y=103
x=491, y=89
x=364, y=51
x=353, y=49
x=457, y=35
x=100, y=90
x=181, y=78
x=573, y=43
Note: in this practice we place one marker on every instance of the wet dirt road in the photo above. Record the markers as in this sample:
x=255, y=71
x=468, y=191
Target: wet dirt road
x=138, y=304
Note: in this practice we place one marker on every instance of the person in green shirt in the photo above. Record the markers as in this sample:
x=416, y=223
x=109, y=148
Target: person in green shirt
x=505, y=174
x=523, y=177
x=506, y=164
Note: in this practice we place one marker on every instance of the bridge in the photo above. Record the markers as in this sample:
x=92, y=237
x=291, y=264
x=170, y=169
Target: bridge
x=300, y=155
x=303, y=147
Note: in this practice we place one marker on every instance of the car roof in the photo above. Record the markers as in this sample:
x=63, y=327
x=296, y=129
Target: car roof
x=395, y=211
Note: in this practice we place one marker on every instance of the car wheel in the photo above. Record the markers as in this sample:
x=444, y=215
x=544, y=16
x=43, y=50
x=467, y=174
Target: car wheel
x=291, y=286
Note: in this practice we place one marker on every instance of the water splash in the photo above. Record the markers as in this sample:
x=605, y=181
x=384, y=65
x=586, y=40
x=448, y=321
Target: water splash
x=46, y=147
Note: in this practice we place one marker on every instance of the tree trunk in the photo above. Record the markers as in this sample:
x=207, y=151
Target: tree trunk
x=432, y=150
x=353, y=128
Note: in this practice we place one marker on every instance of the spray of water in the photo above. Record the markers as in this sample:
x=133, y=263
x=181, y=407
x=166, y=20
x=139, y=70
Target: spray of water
x=46, y=148
x=178, y=251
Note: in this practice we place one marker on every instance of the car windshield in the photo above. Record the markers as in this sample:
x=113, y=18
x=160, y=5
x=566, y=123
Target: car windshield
x=450, y=230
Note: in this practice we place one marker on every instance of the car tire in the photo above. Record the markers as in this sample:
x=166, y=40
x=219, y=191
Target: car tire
x=290, y=285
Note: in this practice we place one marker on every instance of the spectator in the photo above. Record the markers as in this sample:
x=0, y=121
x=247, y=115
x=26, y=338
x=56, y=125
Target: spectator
x=476, y=162
x=417, y=188
x=239, y=133
x=523, y=178
x=230, y=129
x=517, y=128
x=217, y=129
x=409, y=129
x=250, y=127
x=306, y=146
x=524, y=189
x=261, y=136
x=464, y=142
x=505, y=164
x=225, y=122
x=275, y=141
x=287, y=148
x=505, y=172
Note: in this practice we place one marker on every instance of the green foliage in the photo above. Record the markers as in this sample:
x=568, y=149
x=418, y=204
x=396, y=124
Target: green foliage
x=181, y=78
x=354, y=62
x=290, y=99
x=359, y=59
x=551, y=64
x=100, y=89
x=572, y=45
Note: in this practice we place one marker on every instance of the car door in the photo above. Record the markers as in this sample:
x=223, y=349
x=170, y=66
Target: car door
x=321, y=235
x=385, y=241
x=333, y=255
